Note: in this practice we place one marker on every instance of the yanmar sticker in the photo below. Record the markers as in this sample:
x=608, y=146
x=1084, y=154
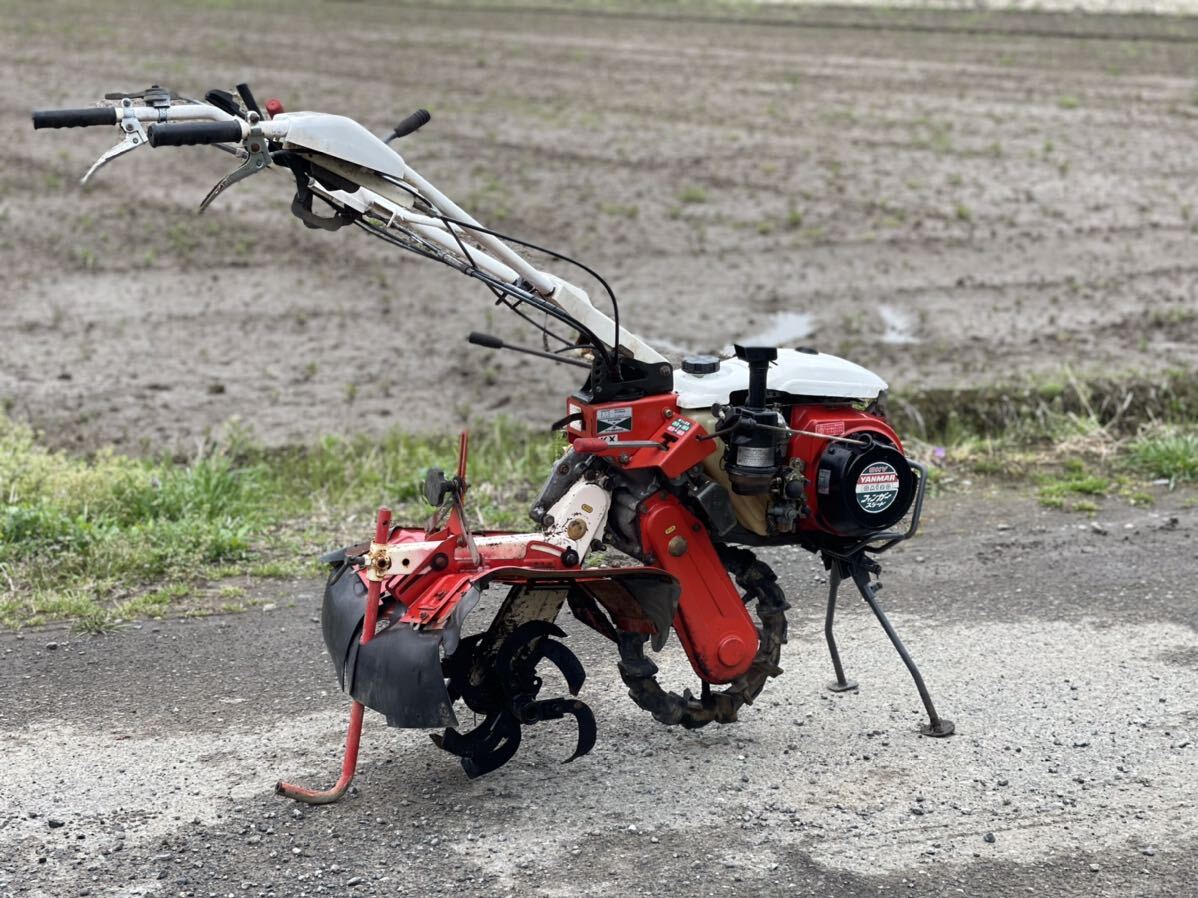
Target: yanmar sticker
x=877, y=487
x=613, y=420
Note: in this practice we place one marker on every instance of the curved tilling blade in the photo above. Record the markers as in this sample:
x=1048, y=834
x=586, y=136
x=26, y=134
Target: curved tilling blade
x=487, y=747
x=494, y=742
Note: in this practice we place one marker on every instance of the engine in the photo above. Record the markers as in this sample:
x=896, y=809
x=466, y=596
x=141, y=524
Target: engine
x=764, y=465
x=808, y=467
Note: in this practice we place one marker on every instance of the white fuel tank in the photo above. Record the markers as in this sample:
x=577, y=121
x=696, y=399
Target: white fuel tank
x=795, y=372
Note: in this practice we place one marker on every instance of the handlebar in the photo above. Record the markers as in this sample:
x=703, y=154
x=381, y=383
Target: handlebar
x=74, y=118
x=337, y=159
x=192, y=133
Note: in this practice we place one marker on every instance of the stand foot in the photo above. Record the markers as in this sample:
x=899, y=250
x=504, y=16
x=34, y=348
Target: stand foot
x=939, y=729
x=835, y=575
x=860, y=569
x=349, y=765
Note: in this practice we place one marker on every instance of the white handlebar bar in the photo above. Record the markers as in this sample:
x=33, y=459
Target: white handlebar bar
x=387, y=191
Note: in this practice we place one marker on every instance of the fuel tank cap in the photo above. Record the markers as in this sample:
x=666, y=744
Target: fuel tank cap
x=699, y=365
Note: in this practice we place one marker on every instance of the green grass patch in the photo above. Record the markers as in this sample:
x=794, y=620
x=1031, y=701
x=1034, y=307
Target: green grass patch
x=1169, y=453
x=1049, y=410
x=1077, y=441
x=77, y=532
x=1075, y=488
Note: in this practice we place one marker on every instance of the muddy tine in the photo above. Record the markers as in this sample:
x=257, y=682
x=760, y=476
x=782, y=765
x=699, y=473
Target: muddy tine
x=484, y=762
x=472, y=741
x=566, y=661
x=588, y=731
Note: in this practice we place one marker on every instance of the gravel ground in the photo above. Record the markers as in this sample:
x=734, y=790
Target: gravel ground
x=141, y=763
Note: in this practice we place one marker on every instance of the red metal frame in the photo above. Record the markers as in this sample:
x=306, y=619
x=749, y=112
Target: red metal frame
x=656, y=419
x=713, y=624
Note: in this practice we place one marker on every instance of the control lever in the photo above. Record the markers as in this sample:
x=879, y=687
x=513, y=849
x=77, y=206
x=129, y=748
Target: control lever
x=490, y=342
x=413, y=122
x=134, y=137
x=247, y=97
x=257, y=160
x=155, y=95
x=224, y=101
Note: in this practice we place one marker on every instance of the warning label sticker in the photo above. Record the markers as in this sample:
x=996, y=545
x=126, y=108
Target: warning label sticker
x=613, y=420
x=877, y=487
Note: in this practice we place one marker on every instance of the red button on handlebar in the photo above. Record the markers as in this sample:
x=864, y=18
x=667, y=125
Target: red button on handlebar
x=273, y=107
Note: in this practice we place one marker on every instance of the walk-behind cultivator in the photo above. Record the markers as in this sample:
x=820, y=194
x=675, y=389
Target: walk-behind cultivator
x=684, y=470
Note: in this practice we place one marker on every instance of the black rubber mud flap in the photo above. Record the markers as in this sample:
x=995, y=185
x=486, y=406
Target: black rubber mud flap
x=397, y=673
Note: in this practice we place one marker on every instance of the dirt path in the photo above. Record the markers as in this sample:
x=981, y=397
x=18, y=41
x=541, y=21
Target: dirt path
x=141, y=763
x=946, y=206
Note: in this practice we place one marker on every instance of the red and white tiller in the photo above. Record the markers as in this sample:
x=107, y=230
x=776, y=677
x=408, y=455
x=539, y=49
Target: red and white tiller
x=684, y=470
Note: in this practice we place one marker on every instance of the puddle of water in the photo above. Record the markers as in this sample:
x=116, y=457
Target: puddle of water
x=899, y=326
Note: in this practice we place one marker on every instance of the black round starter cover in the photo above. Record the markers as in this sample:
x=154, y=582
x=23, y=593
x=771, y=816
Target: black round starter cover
x=863, y=489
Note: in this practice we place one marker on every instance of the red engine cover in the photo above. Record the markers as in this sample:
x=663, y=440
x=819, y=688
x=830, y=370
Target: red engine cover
x=833, y=420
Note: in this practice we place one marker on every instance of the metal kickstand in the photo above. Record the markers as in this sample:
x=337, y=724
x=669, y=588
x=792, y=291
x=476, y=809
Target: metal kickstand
x=353, y=736
x=859, y=569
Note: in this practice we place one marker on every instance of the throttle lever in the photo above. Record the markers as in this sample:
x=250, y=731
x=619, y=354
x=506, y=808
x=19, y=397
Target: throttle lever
x=491, y=342
x=224, y=101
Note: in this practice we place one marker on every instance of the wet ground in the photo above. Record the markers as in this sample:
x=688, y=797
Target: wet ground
x=142, y=763
x=949, y=199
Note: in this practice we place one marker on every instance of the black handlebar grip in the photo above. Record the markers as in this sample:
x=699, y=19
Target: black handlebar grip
x=185, y=134
x=413, y=122
x=74, y=118
x=485, y=340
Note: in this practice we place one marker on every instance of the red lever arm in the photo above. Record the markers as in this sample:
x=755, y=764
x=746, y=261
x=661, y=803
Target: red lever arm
x=597, y=446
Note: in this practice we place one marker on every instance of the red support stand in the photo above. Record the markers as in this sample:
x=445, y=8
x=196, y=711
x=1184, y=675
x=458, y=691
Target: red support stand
x=349, y=764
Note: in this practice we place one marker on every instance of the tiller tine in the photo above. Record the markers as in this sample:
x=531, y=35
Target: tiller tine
x=565, y=661
x=487, y=747
x=506, y=750
x=556, y=709
x=517, y=657
x=494, y=742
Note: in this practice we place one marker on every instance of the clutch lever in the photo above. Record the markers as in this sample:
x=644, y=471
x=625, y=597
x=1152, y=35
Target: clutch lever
x=134, y=137
x=257, y=159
